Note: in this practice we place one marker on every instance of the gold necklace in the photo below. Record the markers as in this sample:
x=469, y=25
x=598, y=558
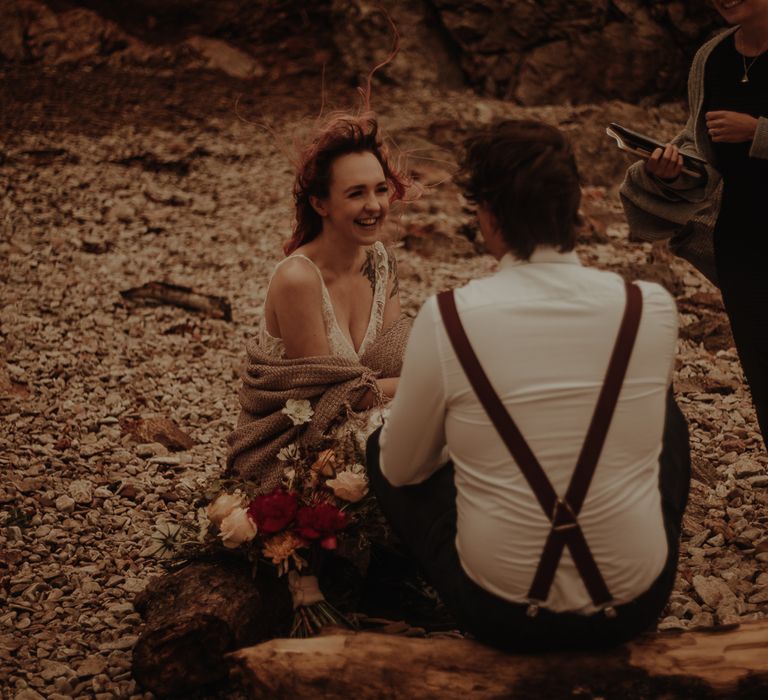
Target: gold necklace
x=745, y=78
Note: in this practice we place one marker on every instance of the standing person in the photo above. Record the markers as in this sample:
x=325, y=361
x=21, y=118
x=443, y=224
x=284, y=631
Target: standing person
x=331, y=331
x=728, y=126
x=522, y=559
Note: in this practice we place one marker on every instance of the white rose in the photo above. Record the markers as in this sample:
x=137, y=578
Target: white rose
x=223, y=506
x=237, y=528
x=349, y=486
x=298, y=410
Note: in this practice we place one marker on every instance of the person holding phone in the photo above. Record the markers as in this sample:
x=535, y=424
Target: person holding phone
x=728, y=126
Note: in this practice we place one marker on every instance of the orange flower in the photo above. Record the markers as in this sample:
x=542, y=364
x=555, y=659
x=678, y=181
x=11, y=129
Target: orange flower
x=281, y=550
x=325, y=463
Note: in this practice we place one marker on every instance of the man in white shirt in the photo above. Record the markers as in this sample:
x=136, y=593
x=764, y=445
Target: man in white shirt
x=544, y=330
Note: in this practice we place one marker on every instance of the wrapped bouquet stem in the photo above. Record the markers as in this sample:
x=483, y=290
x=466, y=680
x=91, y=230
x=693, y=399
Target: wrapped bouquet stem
x=312, y=611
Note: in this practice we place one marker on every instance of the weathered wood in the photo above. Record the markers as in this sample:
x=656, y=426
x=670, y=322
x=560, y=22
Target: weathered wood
x=195, y=615
x=184, y=297
x=701, y=664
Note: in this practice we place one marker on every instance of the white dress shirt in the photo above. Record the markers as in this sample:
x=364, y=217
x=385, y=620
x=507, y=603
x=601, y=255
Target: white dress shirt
x=544, y=331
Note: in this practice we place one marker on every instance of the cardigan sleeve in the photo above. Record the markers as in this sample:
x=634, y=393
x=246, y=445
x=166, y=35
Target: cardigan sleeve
x=657, y=209
x=759, y=147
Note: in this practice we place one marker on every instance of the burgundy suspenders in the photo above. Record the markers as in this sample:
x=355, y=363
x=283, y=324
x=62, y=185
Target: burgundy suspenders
x=563, y=512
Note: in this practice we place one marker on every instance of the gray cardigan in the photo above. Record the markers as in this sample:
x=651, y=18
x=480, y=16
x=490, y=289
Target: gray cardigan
x=685, y=210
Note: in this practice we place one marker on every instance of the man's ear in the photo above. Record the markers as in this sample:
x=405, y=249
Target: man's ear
x=318, y=206
x=491, y=231
x=494, y=223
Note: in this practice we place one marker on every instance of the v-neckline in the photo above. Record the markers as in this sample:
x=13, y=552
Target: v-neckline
x=327, y=295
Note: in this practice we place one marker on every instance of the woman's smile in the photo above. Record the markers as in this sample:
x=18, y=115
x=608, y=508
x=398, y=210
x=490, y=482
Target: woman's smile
x=358, y=200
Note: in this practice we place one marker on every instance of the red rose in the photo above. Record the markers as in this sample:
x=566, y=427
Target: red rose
x=274, y=511
x=321, y=522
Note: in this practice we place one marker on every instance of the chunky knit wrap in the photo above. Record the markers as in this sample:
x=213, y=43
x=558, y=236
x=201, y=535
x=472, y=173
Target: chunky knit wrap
x=332, y=385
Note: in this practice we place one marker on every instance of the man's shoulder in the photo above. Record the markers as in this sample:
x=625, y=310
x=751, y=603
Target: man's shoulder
x=612, y=281
x=657, y=293
x=656, y=298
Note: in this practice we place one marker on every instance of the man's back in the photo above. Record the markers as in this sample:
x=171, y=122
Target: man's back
x=543, y=331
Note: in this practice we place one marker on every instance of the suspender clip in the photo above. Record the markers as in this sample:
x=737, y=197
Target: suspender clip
x=533, y=609
x=610, y=612
x=563, y=517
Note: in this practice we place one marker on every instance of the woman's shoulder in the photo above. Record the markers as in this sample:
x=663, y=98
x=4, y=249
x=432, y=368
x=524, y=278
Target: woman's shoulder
x=296, y=274
x=706, y=48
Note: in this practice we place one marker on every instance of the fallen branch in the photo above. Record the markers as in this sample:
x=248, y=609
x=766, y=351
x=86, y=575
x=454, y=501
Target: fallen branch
x=366, y=666
x=184, y=297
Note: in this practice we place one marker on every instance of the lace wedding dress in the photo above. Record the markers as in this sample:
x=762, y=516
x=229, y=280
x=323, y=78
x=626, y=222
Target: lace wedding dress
x=362, y=424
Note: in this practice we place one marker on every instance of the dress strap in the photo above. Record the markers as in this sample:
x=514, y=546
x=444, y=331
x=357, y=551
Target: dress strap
x=333, y=333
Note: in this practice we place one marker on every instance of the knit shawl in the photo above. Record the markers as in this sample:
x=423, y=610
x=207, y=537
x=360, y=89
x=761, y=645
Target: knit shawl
x=331, y=384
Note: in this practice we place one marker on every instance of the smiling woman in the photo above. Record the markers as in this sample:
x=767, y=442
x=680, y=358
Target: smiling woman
x=333, y=299
x=333, y=292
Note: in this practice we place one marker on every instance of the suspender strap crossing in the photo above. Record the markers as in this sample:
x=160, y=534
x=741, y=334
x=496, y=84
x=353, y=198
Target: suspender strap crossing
x=565, y=530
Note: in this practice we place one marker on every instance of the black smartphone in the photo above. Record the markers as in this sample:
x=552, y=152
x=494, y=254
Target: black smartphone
x=643, y=146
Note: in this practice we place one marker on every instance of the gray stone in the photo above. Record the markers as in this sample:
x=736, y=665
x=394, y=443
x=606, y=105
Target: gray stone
x=151, y=449
x=28, y=694
x=66, y=504
x=92, y=666
x=82, y=491
x=54, y=669
x=713, y=591
x=122, y=644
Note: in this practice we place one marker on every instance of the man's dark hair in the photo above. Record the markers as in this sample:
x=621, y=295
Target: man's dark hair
x=525, y=173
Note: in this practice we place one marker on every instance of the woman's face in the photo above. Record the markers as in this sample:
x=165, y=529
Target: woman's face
x=741, y=11
x=358, y=198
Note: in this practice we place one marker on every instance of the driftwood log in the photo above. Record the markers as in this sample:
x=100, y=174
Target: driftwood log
x=366, y=666
x=197, y=614
x=184, y=297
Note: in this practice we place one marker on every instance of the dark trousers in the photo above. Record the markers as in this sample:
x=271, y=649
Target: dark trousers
x=740, y=261
x=424, y=516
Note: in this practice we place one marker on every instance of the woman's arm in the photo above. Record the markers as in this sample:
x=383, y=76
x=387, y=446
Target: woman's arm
x=295, y=305
x=735, y=127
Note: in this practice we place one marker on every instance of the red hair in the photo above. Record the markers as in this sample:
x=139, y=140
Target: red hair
x=341, y=135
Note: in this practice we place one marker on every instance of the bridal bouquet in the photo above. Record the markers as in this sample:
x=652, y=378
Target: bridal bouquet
x=322, y=504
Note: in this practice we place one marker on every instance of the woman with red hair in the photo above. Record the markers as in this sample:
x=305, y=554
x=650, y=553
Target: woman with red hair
x=338, y=286
x=331, y=331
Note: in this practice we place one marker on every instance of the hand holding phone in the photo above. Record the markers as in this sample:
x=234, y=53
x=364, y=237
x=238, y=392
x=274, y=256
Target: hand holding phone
x=645, y=147
x=665, y=163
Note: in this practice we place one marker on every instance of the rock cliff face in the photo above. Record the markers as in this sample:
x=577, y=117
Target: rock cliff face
x=531, y=52
x=551, y=51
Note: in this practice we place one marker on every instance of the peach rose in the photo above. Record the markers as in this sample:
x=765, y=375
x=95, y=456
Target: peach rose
x=237, y=528
x=223, y=506
x=349, y=486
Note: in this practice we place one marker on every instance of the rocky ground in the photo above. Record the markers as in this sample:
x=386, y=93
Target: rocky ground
x=115, y=412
